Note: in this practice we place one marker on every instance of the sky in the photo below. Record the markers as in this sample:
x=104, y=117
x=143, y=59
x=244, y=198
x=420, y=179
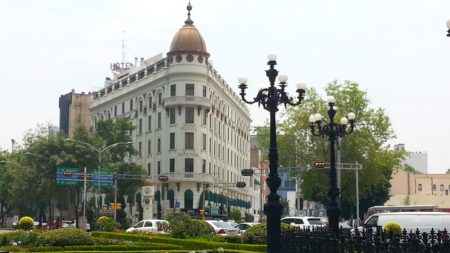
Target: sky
x=396, y=50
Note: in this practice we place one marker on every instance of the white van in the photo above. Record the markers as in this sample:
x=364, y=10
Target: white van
x=411, y=221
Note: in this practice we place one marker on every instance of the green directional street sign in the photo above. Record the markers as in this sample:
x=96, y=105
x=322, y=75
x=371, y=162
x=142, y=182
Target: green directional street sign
x=67, y=176
x=105, y=179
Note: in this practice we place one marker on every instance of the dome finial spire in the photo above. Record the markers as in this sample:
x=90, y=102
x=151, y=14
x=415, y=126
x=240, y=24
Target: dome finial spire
x=189, y=20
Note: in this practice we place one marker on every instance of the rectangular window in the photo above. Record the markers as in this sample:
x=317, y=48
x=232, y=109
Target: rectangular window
x=141, y=106
x=189, y=165
x=149, y=123
x=159, y=145
x=172, y=165
x=131, y=104
x=204, y=91
x=149, y=169
x=203, y=166
x=150, y=102
x=204, y=142
x=115, y=111
x=189, y=115
x=173, y=90
x=205, y=116
x=140, y=148
x=189, y=89
x=149, y=147
x=140, y=126
x=172, y=140
x=160, y=99
x=123, y=108
x=172, y=115
x=159, y=168
x=189, y=141
x=159, y=120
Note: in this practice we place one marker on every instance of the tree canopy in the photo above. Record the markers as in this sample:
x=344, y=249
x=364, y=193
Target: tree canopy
x=29, y=173
x=367, y=145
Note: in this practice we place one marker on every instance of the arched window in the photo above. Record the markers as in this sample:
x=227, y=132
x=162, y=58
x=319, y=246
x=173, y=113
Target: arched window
x=171, y=197
x=419, y=187
x=434, y=187
x=188, y=199
x=441, y=188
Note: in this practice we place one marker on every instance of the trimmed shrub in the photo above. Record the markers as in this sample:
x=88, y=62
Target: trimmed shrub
x=64, y=237
x=183, y=226
x=26, y=223
x=235, y=215
x=20, y=237
x=106, y=224
x=249, y=217
x=258, y=234
x=188, y=244
x=392, y=227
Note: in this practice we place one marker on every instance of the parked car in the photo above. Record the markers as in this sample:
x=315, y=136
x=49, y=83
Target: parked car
x=149, y=226
x=68, y=224
x=44, y=225
x=223, y=228
x=244, y=226
x=303, y=221
x=411, y=221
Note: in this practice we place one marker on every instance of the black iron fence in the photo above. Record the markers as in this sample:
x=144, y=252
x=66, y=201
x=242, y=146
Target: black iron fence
x=318, y=240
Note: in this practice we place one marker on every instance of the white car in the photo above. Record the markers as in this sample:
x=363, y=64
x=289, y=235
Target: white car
x=303, y=221
x=223, y=228
x=149, y=226
x=244, y=226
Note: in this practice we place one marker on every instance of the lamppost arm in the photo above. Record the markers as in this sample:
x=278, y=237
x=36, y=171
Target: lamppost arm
x=86, y=144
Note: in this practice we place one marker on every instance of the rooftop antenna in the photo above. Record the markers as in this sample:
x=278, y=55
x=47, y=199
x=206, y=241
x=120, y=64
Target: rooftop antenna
x=123, y=46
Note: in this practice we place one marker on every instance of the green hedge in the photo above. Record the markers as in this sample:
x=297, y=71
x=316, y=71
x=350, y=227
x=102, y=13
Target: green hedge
x=126, y=248
x=64, y=237
x=190, y=244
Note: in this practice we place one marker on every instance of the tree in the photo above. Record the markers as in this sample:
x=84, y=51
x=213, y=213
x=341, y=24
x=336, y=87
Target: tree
x=367, y=145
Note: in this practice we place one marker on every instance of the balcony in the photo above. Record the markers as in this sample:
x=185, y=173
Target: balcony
x=189, y=177
x=187, y=101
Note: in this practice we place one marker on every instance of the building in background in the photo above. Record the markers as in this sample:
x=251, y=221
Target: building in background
x=408, y=188
x=74, y=110
x=417, y=160
x=192, y=130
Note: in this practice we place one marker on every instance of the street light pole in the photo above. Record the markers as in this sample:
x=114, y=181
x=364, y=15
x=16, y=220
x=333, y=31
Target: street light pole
x=270, y=98
x=99, y=151
x=333, y=131
x=448, y=26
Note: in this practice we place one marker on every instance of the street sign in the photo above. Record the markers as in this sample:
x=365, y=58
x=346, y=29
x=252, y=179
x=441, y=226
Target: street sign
x=67, y=176
x=177, y=204
x=247, y=172
x=105, y=179
x=240, y=184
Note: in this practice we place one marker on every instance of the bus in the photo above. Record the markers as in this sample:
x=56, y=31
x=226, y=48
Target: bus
x=403, y=208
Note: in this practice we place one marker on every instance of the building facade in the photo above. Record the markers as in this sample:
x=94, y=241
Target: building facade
x=192, y=130
x=419, y=189
x=74, y=111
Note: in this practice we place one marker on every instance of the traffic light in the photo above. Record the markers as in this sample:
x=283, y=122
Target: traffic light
x=116, y=205
x=319, y=165
x=202, y=212
x=67, y=174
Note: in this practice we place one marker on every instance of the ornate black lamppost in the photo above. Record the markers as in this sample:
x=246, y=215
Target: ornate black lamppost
x=270, y=98
x=332, y=130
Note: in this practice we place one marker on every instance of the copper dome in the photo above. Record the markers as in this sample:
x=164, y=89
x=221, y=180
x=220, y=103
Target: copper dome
x=188, y=39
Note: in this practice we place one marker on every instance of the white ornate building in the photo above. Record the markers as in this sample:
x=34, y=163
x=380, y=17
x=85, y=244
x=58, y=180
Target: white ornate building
x=190, y=126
